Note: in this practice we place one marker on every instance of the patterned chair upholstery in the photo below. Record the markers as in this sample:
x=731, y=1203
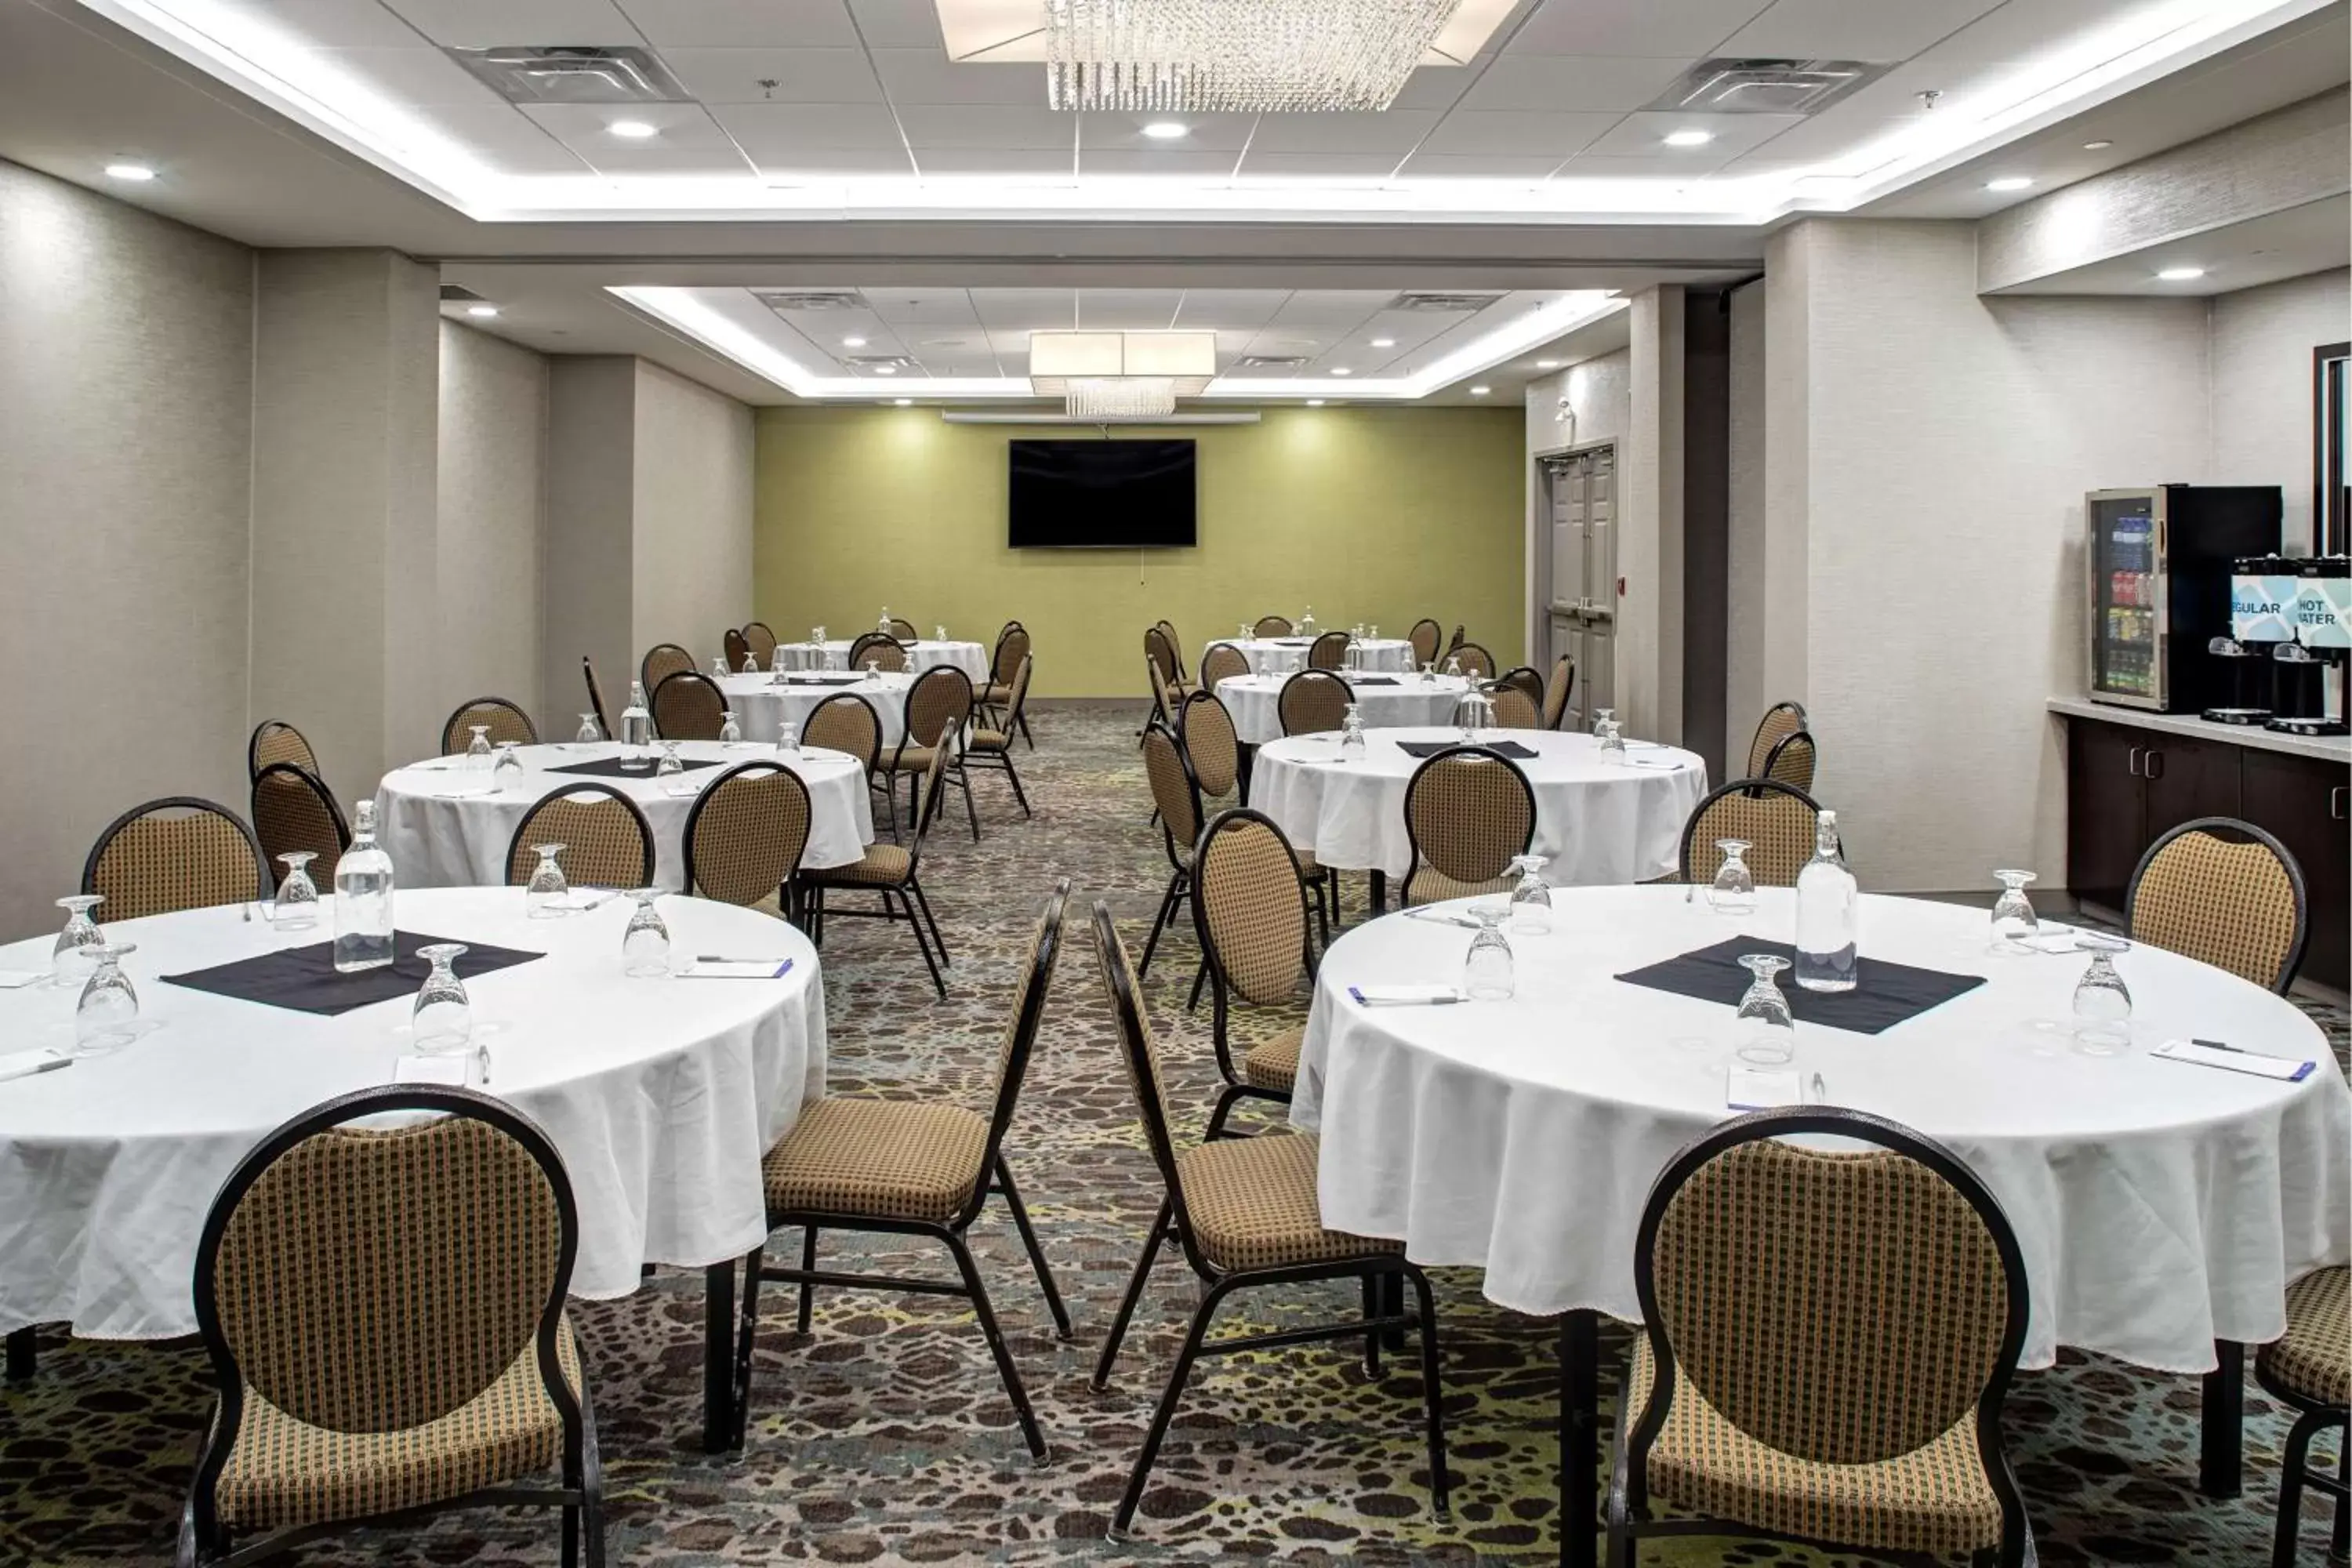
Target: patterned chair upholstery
x=1556, y=694
x=1776, y=821
x=1012, y=649
x=886, y=653
x=384, y=1311
x=1426, y=638
x=1828, y=1339
x=1792, y=759
x=1476, y=662
x=1313, y=702
x=177, y=853
x=1468, y=813
x=276, y=740
x=1221, y=662
x=1514, y=708
x=688, y=706
x=2309, y=1368
x=1211, y=745
x=890, y=871
x=1526, y=679
x=1272, y=627
x=990, y=747
x=904, y=629
x=1167, y=663
x=1249, y=909
x=607, y=841
x=291, y=812
x=1176, y=795
x=1780, y=721
x=1328, y=651
x=663, y=660
x=846, y=721
x=736, y=646
x=504, y=722
x=2226, y=894
x=761, y=641
x=745, y=835
x=938, y=708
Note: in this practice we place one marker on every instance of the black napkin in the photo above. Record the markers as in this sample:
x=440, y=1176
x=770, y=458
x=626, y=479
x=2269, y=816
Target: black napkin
x=1884, y=994
x=1426, y=748
x=304, y=978
x=622, y=768
x=1371, y=681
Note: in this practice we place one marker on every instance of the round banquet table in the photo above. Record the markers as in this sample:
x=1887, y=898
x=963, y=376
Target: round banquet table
x=969, y=656
x=763, y=707
x=1288, y=656
x=2159, y=1206
x=443, y=826
x=1596, y=822
x=661, y=1095
x=1413, y=702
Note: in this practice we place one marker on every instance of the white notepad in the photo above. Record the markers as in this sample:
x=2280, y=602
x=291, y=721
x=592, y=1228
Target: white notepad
x=1405, y=995
x=25, y=1064
x=2287, y=1070
x=450, y=1070
x=10, y=979
x=737, y=969
x=1762, y=1088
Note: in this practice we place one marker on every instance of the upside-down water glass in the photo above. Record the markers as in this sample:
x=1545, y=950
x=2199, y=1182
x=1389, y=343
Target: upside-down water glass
x=788, y=739
x=1487, y=967
x=75, y=954
x=1733, y=889
x=107, y=1014
x=730, y=731
x=443, y=1019
x=1765, y=1030
x=545, y=896
x=2103, y=1003
x=478, y=749
x=1530, y=901
x=2014, y=923
x=590, y=732
x=298, y=896
x=506, y=773
x=645, y=945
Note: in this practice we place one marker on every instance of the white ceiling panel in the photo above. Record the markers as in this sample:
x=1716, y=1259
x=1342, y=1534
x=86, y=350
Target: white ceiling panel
x=339, y=24
x=1564, y=84
x=1345, y=168
x=691, y=141
x=1240, y=310
x=1205, y=132
x=910, y=306
x=774, y=132
x=1645, y=135
x=1049, y=163
x=1854, y=30
x=1128, y=310
x=1022, y=310
x=928, y=77
x=1124, y=162
x=508, y=142
x=776, y=75
x=1395, y=131
x=1329, y=309
x=1518, y=132
x=1474, y=166
x=2023, y=29
x=825, y=166
x=418, y=74
x=478, y=23
x=1687, y=27
x=897, y=23
x=741, y=23
x=1438, y=86
x=989, y=126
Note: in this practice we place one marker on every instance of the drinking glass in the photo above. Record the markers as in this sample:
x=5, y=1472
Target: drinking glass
x=1245, y=633
x=1374, y=632
x=1734, y=892
x=590, y=732
x=719, y=671
x=872, y=668
x=817, y=637
x=1356, y=631
x=883, y=625
x=107, y=1014
x=506, y=773
x=1428, y=670
x=1487, y=968
x=443, y=1019
x=1766, y=1029
x=730, y=731
x=544, y=897
x=2103, y=1003
x=788, y=739
x=298, y=896
x=1603, y=716
x=938, y=634
x=1452, y=668
x=1352, y=735
x=2014, y=923
x=478, y=750
x=76, y=953
x=1613, y=742
x=1530, y=901
x=672, y=772
x=751, y=662
x=645, y=946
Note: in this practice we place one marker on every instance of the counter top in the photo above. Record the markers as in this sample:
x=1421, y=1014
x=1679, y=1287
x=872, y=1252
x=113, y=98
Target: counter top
x=2326, y=748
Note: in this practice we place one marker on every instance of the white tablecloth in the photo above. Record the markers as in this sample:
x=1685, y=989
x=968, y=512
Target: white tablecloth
x=1286, y=656
x=762, y=707
x=1596, y=822
x=660, y=1094
x=2159, y=1206
x=443, y=828
x=969, y=656
x=1255, y=703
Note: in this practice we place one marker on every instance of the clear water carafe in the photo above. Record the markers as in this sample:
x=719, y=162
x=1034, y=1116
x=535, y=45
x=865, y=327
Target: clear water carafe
x=363, y=900
x=636, y=720
x=1829, y=910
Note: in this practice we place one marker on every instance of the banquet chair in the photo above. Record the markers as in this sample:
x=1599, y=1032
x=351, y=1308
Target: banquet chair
x=1425, y=637
x=1514, y=709
x=2224, y=892
x=384, y=1309
x=1221, y=662
x=911, y=1167
x=596, y=697
x=1792, y=759
x=607, y=840
x=938, y=708
x=846, y=721
x=1779, y=721
x=1272, y=627
x=1012, y=652
x=503, y=720
x=1468, y=813
x=1477, y=664
x=276, y=740
x=886, y=653
x=1827, y=1340
x=1328, y=651
x=1313, y=701
x=991, y=746
x=1454, y=646
x=174, y=854
x=889, y=869
x=1176, y=648
x=1177, y=796
x=292, y=811
x=1170, y=667
x=904, y=629
x=761, y=641
x=688, y=706
x=1249, y=910
x=662, y=660
x=1528, y=680
x=1212, y=751
x=745, y=836
x=738, y=647
x=1246, y=1214
x=1556, y=695
x=1776, y=821
x=2309, y=1369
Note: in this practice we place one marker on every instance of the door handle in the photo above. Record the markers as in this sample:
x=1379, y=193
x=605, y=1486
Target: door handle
x=2155, y=764
x=2335, y=799
x=2131, y=762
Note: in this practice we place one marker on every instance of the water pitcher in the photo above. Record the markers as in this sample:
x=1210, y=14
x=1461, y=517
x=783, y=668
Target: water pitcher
x=1829, y=905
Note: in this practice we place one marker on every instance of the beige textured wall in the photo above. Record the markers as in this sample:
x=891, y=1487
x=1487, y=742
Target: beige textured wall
x=692, y=486
x=2262, y=339
x=591, y=458
x=493, y=506
x=125, y=435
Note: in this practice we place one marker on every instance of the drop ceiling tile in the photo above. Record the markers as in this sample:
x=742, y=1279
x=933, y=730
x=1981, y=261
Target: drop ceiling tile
x=897, y=23
x=1328, y=309
x=337, y=24
x=689, y=143
x=902, y=306
x=928, y=77
x=1019, y=311
x=1122, y=163
x=1690, y=28
x=1350, y=168
x=1393, y=131
x=1230, y=310
x=822, y=166
x=471, y=24
x=1521, y=133
x=419, y=74
x=1645, y=136
x=503, y=138
x=1056, y=162
x=995, y=127
x=800, y=75
x=1474, y=166
x=1438, y=86
x=773, y=133
x=1206, y=132
x=1846, y=29
x=742, y=24
x=1128, y=310
x=2023, y=29
x=1560, y=84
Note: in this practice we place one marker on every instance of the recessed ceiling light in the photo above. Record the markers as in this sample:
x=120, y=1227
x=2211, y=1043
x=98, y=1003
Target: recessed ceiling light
x=2181, y=274
x=485, y=311
x=1480, y=391
x=1341, y=370
x=886, y=370
x=133, y=171
x=853, y=342
x=1166, y=131
x=2010, y=183
x=632, y=130
x=1383, y=342
x=902, y=402
x=2098, y=146
x=1314, y=403
x=1546, y=364
x=1689, y=138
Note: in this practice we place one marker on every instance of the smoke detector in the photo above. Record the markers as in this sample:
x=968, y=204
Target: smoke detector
x=1765, y=85
x=570, y=73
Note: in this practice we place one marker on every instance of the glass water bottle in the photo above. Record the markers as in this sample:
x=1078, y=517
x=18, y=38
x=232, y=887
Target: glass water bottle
x=363, y=900
x=1828, y=907
x=637, y=720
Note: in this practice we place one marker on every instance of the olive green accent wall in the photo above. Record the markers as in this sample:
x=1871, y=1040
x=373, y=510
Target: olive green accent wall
x=1380, y=515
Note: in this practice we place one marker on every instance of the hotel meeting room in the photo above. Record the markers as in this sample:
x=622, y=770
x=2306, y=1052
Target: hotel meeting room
x=1584, y=761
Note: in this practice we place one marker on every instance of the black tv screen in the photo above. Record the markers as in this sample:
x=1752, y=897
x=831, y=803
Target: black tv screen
x=1102, y=495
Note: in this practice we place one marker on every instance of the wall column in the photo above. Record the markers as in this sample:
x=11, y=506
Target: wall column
x=1650, y=538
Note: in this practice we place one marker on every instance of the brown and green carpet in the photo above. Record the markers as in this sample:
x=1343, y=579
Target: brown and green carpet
x=886, y=1437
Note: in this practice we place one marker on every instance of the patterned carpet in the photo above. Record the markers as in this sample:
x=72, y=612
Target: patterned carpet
x=886, y=1436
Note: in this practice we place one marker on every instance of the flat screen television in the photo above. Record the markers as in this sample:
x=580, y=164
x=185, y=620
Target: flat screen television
x=1101, y=495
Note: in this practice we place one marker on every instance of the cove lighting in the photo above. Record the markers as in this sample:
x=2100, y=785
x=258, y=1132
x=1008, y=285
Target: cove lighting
x=886, y=370
x=902, y=403
x=134, y=173
x=1546, y=364
x=2010, y=183
x=1166, y=131
x=1689, y=138
x=1341, y=370
x=1314, y=403
x=483, y=312
x=632, y=130
x=2098, y=146
x=2181, y=274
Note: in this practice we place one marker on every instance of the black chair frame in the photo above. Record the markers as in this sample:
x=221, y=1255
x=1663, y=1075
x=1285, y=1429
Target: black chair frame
x=1404, y=894
x=1752, y=787
x=1309, y=676
x=1787, y=744
x=1019, y=722
x=866, y=640
x=324, y=796
x=523, y=836
x=788, y=893
x=913, y=907
x=1237, y=1088
x=1014, y=720
x=2233, y=829
x=252, y=764
x=646, y=664
x=596, y=697
x=264, y=882
x=736, y=646
x=1180, y=878
x=2296, y=1471
x=690, y=677
x=449, y=743
x=938, y=675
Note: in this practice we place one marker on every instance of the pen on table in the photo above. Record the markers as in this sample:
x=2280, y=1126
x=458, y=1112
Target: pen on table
x=2216, y=1044
x=1820, y=1090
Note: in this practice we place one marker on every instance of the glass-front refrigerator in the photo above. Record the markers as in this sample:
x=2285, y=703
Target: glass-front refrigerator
x=2158, y=561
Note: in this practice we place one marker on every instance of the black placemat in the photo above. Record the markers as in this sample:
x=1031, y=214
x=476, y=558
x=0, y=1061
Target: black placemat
x=304, y=978
x=1427, y=749
x=1373, y=680
x=1884, y=994
x=823, y=679
x=620, y=768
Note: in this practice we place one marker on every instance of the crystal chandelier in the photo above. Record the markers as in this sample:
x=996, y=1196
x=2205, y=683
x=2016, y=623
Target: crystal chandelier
x=1121, y=375
x=1247, y=56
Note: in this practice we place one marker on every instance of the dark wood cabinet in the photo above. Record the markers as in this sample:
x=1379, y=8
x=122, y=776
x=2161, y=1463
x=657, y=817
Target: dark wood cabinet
x=2107, y=817
x=2303, y=801
x=2185, y=779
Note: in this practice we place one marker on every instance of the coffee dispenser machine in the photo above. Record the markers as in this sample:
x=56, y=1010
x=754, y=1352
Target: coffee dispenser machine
x=2307, y=672
x=2261, y=620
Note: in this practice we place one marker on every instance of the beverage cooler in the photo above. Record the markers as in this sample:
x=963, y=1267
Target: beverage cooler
x=2159, y=561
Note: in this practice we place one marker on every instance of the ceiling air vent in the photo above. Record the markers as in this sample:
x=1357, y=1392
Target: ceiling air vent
x=1271, y=362
x=565, y=73
x=879, y=364
x=1766, y=86
x=1438, y=303
x=782, y=301
x=458, y=294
